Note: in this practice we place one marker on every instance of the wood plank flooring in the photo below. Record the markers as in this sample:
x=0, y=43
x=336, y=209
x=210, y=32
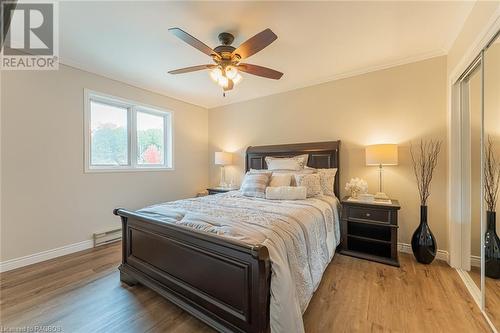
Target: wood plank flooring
x=82, y=292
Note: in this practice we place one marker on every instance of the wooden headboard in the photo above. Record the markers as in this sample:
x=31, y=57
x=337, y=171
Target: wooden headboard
x=323, y=155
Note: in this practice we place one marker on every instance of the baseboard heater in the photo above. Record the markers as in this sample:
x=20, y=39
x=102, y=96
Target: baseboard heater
x=107, y=237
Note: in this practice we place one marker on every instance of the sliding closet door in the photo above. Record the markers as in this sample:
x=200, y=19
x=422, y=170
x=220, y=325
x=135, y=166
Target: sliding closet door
x=475, y=112
x=471, y=109
x=491, y=228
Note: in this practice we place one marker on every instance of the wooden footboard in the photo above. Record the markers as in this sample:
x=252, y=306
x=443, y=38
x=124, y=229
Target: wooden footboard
x=222, y=282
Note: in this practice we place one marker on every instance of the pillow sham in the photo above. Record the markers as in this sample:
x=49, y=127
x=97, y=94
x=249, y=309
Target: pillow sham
x=286, y=193
x=294, y=173
x=287, y=163
x=327, y=180
x=280, y=179
x=260, y=171
x=283, y=164
x=311, y=182
x=254, y=184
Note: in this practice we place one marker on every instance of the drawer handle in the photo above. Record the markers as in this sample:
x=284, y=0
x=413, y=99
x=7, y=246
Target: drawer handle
x=368, y=214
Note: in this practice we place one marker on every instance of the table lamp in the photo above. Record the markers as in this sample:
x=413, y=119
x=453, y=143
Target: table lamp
x=223, y=159
x=380, y=155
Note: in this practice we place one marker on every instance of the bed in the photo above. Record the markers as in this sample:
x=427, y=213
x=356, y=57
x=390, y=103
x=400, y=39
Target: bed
x=217, y=258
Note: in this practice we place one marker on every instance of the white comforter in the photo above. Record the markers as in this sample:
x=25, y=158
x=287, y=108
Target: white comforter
x=301, y=236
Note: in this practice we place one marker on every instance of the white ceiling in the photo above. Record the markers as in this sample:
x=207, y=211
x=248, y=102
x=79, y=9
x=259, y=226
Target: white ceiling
x=317, y=42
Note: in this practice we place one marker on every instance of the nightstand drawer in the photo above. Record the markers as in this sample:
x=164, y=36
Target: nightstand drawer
x=371, y=214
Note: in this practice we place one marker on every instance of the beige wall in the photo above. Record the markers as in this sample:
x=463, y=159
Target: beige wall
x=47, y=199
x=398, y=105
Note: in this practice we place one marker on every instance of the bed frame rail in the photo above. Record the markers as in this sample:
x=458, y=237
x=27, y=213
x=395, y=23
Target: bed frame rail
x=223, y=282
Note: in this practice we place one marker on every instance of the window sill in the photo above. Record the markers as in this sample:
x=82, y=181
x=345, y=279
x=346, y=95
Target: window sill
x=119, y=170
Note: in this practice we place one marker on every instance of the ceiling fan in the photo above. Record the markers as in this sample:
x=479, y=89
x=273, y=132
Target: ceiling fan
x=227, y=59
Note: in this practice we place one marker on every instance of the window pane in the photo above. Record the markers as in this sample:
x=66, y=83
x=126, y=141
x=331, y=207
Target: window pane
x=109, y=143
x=150, y=139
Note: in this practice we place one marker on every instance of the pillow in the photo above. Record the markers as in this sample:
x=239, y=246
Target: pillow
x=304, y=158
x=254, y=184
x=311, y=182
x=327, y=180
x=261, y=171
x=280, y=179
x=283, y=164
x=307, y=171
x=287, y=163
x=286, y=193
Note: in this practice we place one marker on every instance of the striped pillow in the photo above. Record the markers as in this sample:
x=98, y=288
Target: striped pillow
x=254, y=184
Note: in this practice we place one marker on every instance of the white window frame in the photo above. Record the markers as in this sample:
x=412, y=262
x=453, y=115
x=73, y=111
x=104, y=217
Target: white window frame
x=132, y=109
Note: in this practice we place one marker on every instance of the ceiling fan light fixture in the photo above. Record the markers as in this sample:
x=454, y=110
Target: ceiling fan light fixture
x=223, y=81
x=237, y=78
x=231, y=72
x=216, y=74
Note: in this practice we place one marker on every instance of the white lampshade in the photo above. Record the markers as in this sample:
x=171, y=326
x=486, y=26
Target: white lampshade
x=384, y=154
x=223, y=158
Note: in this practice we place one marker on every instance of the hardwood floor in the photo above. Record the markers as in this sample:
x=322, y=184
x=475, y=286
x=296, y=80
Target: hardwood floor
x=82, y=293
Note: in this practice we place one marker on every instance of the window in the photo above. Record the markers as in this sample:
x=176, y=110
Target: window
x=122, y=135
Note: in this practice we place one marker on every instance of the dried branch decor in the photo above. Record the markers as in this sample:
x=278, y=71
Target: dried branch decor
x=491, y=176
x=424, y=159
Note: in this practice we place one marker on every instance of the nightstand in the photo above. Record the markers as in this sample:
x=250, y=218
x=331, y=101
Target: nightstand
x=216, y=190
x=370, y=231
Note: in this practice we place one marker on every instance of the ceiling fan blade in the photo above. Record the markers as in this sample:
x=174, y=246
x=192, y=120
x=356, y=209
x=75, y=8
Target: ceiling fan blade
x=230, y=85
x=260, y=71
x=255, y=44
x=191, y=69
x=197, y=44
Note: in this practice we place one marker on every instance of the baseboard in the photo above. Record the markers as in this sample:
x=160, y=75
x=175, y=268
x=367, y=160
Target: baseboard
x=45, y=255
x=440, y=255
x=471, y=286
x=475, y=261
x=72, y=248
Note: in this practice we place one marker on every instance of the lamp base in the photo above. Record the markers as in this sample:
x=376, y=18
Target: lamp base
x=381, y=196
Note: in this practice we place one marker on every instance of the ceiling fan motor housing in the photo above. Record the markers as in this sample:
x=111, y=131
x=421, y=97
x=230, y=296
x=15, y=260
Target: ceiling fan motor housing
x=226, y=38
x=225, y=50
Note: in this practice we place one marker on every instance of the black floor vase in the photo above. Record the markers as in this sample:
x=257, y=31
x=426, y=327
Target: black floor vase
x=491, y=248
x=423, y=242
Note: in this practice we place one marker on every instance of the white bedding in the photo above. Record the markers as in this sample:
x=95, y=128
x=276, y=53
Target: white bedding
x=301, y=236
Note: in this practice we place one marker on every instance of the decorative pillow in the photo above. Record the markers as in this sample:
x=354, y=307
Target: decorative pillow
x=304, y=158
x=327, y=180
x=254, y=184
x=311, y=182
x=307, y=171
x=286, y=193
x=265, y=171
x=287, y=163
x=280, y=179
